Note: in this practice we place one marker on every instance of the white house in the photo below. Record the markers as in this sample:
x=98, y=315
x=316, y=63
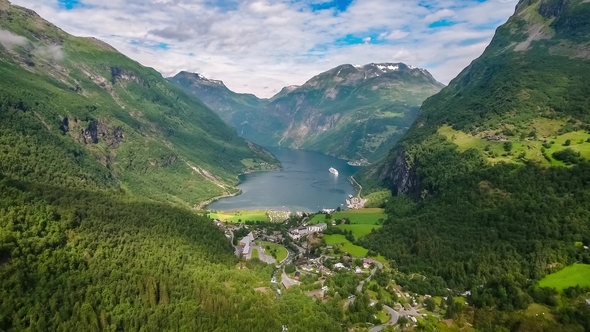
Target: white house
x=247, y=242
x=317, y=228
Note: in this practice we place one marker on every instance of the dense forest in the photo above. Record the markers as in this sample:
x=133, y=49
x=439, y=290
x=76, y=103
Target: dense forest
x=78, y=260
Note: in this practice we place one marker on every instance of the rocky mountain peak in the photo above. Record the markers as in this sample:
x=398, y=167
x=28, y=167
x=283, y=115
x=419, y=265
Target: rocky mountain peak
x=197, y=78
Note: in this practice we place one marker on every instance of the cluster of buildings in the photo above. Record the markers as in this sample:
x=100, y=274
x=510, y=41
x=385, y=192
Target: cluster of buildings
x=299, y=232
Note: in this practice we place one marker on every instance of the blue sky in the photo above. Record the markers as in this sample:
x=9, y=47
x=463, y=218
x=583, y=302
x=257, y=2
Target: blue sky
x=259, y=46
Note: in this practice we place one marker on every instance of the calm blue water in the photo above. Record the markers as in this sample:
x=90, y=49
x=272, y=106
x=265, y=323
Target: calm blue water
x=304, y=184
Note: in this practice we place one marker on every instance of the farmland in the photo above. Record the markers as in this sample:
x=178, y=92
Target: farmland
x=577, y=274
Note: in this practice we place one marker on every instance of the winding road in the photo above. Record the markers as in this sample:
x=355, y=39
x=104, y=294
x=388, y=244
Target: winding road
x=394, y=317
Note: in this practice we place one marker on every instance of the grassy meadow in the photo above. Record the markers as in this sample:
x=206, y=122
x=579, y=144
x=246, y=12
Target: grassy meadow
x=577, y=274
x=281, y=252
x=368, y=216
x=359, y=230
x=521, y=149
x=240, y=216
x=341, y=242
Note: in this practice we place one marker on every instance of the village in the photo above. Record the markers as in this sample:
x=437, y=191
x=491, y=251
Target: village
x=314, y=252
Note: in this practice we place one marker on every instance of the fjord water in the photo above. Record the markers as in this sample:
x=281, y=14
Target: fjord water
x=304, y=184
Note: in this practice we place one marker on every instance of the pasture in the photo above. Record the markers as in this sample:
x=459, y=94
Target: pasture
x=369, y=216
x=577, y=274
x=240, y=216
x=359, y=230
x=344, y=245
x=279, y=251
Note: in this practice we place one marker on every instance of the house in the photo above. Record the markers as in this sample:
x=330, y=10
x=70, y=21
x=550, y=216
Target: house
x=297, y=274
x=588, y=302
x=317, y=228
x=358, y=270
x=366, y=264
x=247, y=239
x=339, y=266
x=246, y=242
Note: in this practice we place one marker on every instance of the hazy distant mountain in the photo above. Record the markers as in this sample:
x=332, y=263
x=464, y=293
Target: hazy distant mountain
x=351, y=112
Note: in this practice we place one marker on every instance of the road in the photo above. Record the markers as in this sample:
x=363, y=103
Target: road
x=359, y=288
x=288, y=282
x=237, y=250
x=394, y=317
x=262, y=255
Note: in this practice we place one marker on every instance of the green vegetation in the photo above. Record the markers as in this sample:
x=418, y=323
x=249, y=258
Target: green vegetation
x=574, y=275
x=378, y=199
x=369, y=216
x=104, y=120
x=345, y=245
x=367, y=121
x=254, y=253
x=526, y=150
x=275, y=250
x=359, y=230
x=484, y=200
x=77, y=260
x=240, y=216
x=335, y=239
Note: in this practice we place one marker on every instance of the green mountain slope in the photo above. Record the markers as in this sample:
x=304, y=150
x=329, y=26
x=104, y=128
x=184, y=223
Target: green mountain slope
x=78, y=107
x=496, y=164
x=352, y=112
x=80, y=122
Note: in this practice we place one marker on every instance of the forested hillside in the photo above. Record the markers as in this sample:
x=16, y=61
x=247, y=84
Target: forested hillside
x=101, y=161
x=77, y=260
x=76, y=106
x=492, y=179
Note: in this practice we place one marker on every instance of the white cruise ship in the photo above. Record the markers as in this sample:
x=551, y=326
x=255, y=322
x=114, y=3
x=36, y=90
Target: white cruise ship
x=333, y=171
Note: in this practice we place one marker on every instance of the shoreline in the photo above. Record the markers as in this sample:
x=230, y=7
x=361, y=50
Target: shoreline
x=203, y=205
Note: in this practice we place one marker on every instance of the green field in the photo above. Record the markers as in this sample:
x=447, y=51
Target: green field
x=345, y=245
x=359, y=230
x=535, y=310
x=254, y=253
x=281, y=252
x=362, y=216
x=383, y=316
x=577, y=274
x=240, y=216
x=532, y=149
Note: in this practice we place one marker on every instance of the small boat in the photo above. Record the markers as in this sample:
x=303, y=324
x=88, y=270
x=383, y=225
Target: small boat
x=333, y=171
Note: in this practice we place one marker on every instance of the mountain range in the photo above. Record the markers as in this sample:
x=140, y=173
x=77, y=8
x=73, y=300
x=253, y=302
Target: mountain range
x=351, y=112
x=77, y=107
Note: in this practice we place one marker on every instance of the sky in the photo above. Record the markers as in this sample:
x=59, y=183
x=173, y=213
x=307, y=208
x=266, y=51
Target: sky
x=260, y=46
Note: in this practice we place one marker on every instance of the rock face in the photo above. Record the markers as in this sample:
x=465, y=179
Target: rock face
x=533, y=72
x=351, y=112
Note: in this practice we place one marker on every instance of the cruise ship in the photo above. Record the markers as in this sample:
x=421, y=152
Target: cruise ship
x=333, y=171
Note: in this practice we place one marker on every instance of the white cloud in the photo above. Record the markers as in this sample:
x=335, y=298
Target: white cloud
x=259, y=46
x=9, y=40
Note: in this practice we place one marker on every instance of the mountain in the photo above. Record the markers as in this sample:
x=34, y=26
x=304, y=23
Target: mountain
x=234, y=108
x=351, y=112
x=78, y=108
x=492, y=180
x=101, y=161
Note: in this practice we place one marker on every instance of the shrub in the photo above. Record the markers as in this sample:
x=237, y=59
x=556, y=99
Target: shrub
x=568, y=156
